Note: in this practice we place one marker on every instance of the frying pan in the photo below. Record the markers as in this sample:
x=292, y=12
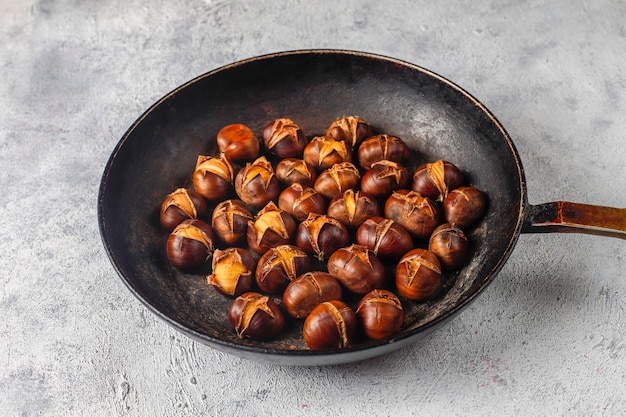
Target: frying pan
x=438, y=119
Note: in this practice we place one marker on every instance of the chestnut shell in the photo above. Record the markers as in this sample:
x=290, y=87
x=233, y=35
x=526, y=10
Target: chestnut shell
x=256, y=316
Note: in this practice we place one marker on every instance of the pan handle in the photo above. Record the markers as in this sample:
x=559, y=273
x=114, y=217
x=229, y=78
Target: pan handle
x=563, y=216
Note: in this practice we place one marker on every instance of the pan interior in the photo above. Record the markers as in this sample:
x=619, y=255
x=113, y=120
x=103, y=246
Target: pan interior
x=158, y=153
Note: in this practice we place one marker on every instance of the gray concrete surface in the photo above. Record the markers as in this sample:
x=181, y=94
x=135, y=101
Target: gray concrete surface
x=547, y=338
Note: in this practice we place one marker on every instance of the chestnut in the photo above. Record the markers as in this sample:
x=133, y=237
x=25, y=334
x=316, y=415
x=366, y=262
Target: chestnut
x=436, y=179
x=279, y=266
x=180, y=205
x=213, y=177
x=284, y=138
x=380, y=314
x=383, y=146
x=385, y=237
x=384, y=177
x=190, y=244
x=350, y=129
x=418, y=275
x=256, y=184
x=294, y=170
x=322, y=152
x=300, y=201
x=331, y=325
x=233, y=271
x=352, y=208
x=308, y=290
x=451, y=246
x=464, y=206
x=230, y=221
x=256, y=316
x=338, y=178
x=357, y=268
x=320, y=235
x=419, y=215
x=238, y=143
x=271, y=227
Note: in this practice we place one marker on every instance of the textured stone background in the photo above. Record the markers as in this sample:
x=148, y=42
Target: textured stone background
x=548, y=337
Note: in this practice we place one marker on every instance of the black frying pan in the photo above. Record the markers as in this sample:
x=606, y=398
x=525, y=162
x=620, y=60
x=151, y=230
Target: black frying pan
x=435, y=117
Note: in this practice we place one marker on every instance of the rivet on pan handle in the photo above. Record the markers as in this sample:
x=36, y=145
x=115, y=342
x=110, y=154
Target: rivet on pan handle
x=563, y=216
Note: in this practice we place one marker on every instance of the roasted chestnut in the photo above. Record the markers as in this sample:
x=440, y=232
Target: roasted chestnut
x=284, y=138
x=230, y=221
x=418, y=275
x=436, y=179
x=320, y=235
x=308, y=290
x=180, y=205
x=271, y=227
x=331, y=325
x=300, y=201
x=256, y=316
x=294, y=170
x=279, y=266
x=464, y=206
x=380, y=314
x=384, y=177
x=385, y=237
x=351, y=129
x=383, y=146
x=451, y=246
x=213, y=177
x=190, y=244
x=233, y=271
x=238, y=143
x=417, y=214
x=357, y=268
x=352, y=208
x=256, y=184
x=338, y=178
x=322, y=152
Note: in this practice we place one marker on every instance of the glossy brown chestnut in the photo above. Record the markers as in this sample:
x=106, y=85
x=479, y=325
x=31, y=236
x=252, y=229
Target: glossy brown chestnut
x=351, y=129
x=384, y=177
x=180, y=205
x=300, y=201
x=279, y=266
x=357, y=268
x=294, y=170
x=238, y=143
x=451, y=246
x=335, y=180
x=230, y=221
x=271, y=227
x=320, y=235
x=256, y=184
x=309, y=290
x=464, y=206
x=233, y=271
x=190, y=245
x=380, y=314
x=322, y=152
x=385, y=237
x=213, y=177
x=418, y=275
x=436, y=179
x=352, y=208
x=284, y=138
x=331, y=325
x=417, y=214
x=256, y=316
x=379, y=147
